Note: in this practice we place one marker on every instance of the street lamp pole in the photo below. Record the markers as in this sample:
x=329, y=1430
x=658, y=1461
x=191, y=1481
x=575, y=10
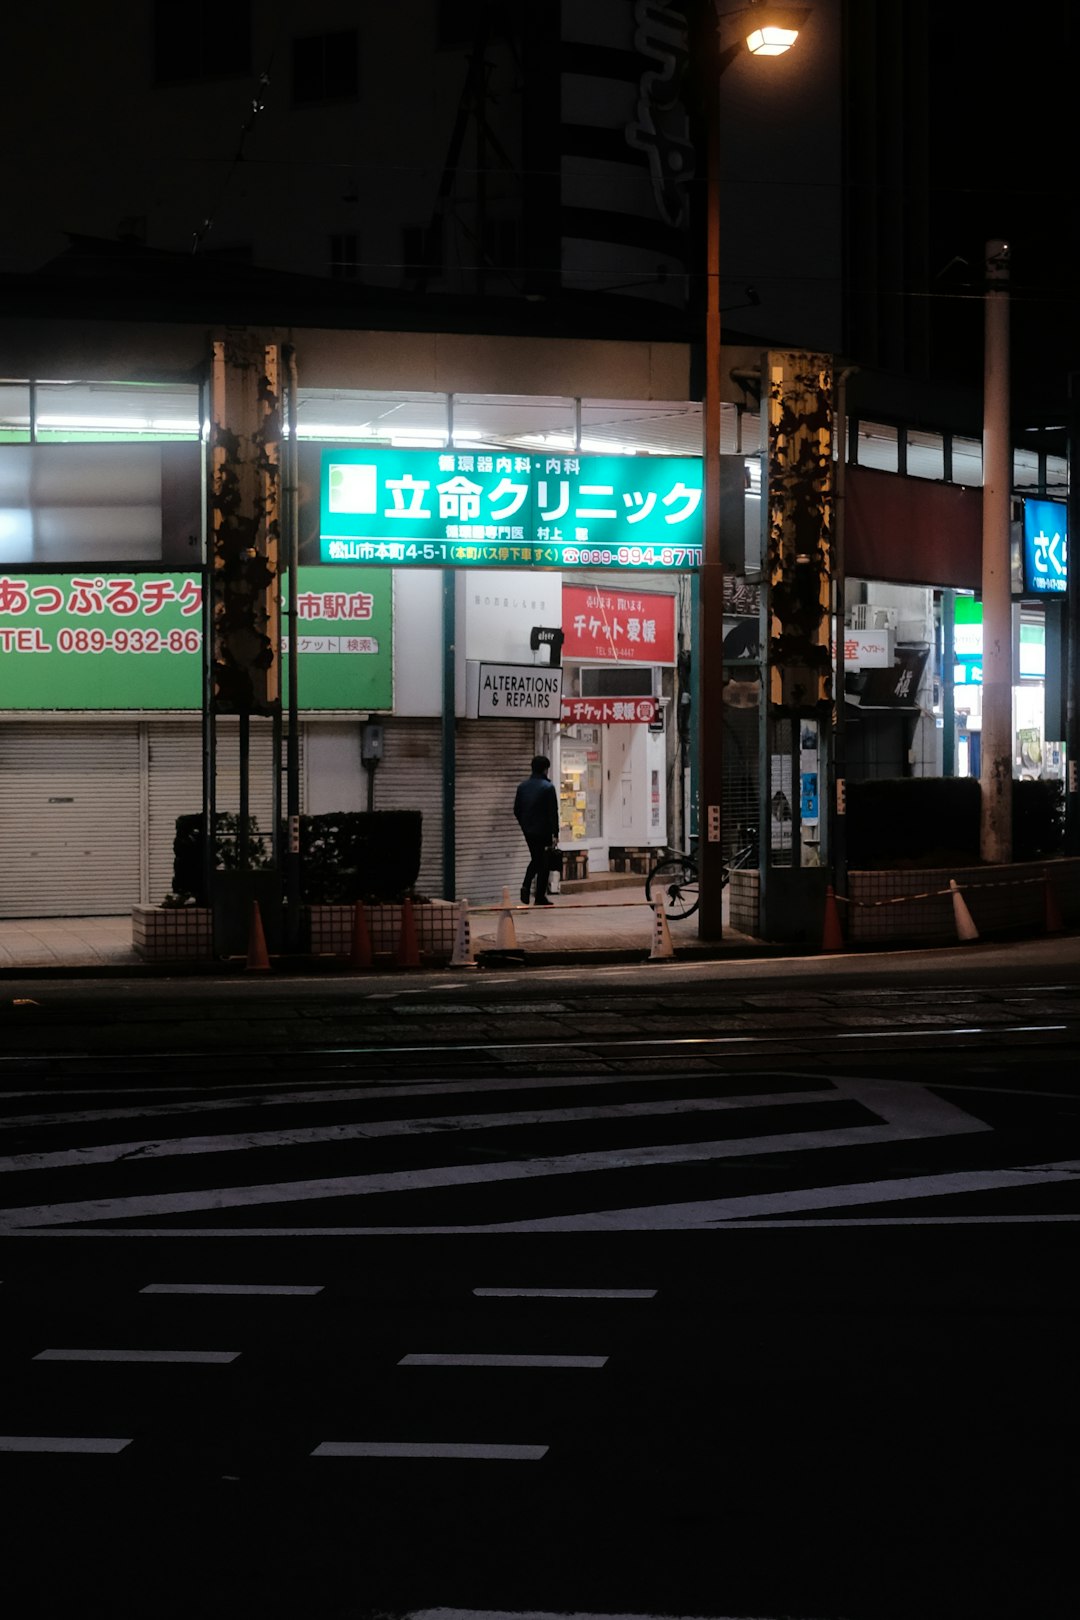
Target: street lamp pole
x=768, y=31
x=997, y=721
x=709, y=631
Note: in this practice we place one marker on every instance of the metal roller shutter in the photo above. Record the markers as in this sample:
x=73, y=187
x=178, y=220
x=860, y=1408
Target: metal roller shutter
x=409, y=777
x=175, y=774
x=492, y=758
x=69, y=819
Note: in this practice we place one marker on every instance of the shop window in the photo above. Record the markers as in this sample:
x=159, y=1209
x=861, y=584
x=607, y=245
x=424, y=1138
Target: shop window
x=501, y=241
x=207, y=39
x=623, y=680
x=925, y=455
x=326, y=67
x=344, y=256
x=78, y=504
x=97, y=413
x=877, y=446
x=422, y=248
x=14, y=412
x=967, y=462
x=581, y=778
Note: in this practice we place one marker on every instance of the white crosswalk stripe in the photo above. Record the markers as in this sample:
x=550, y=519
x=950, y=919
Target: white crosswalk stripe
x=360, y=1159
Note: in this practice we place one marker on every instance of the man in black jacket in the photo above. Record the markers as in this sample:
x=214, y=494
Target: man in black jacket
x=536, y=806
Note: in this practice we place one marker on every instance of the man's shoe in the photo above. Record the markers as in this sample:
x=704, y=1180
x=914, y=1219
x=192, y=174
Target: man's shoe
x=545, y=902
x=524, y=897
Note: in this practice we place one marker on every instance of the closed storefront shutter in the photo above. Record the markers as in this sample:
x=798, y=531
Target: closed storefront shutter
x=409, y=777
x=492, y=758
x=175, y=749
x=69, y=819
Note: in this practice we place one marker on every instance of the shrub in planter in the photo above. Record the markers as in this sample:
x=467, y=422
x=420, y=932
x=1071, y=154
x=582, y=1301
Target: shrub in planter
x=934, y=820
x=188, y=867
x=1038, y=810
x=344, y=856
x=912, y=820
x=359, y=855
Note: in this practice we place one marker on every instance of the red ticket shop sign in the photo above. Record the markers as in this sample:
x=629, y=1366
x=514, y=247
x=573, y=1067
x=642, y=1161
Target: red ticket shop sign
x=609, y=711
x=621, y=626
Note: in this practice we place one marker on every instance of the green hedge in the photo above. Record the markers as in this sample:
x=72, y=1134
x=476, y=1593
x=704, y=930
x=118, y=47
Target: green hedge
x=359, y=855
x=934, y=820
x=344, y=857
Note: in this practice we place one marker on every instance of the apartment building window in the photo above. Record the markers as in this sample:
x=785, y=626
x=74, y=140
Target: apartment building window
x=344, y=256
x=207, y=39
x=326, y=67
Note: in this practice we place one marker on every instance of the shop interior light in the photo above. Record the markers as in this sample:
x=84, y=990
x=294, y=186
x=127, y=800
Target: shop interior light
x=80, y=423
x=332, y=431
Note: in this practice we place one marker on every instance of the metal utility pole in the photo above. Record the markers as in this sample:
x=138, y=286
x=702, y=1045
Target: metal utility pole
x=995, y=777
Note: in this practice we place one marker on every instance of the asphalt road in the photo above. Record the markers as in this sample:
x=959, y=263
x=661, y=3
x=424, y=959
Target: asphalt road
x=697, y=1290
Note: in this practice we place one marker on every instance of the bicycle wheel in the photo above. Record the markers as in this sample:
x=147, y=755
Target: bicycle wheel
x=674, y=884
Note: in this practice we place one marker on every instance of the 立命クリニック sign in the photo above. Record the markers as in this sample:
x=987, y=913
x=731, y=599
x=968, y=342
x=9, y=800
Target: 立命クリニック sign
x=91, y=641
x=451, y=508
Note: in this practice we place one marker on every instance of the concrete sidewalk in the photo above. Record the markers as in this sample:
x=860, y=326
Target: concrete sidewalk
x=606, y=925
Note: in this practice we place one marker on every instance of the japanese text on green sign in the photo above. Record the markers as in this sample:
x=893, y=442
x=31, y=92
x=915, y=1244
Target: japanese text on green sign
x=452, y=508
x=134, y=641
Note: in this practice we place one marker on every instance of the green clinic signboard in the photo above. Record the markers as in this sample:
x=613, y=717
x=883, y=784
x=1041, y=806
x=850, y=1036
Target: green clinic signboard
x=452, y=508
x=134, y=641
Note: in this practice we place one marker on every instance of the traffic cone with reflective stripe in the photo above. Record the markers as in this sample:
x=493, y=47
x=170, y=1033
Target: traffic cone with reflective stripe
x=965, y=927
x=408, y=950
x=832, y=938
x=662, y=948
x=360, y=955
x=505, y=935
x=257, y=959
x=463, y=956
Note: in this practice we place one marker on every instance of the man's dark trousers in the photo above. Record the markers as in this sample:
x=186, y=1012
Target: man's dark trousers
x=538, y=868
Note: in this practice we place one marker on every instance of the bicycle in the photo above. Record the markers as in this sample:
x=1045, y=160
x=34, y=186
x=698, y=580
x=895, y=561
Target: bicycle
x=673, y=881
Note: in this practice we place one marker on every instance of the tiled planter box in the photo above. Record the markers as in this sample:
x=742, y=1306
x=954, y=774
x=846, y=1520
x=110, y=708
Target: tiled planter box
x=186, y=933
x=329, y=929
x=743, y=902
x=916, y=906
x=172, y=933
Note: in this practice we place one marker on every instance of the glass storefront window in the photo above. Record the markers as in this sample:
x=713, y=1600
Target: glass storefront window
x=580, y=782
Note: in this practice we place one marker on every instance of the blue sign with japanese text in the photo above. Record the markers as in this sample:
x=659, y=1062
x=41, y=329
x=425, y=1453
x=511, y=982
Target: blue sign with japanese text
x=1045, y=546
x=455, y=508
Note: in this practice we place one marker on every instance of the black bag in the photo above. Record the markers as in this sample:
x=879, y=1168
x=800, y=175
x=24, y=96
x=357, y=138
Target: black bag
x=554, y=861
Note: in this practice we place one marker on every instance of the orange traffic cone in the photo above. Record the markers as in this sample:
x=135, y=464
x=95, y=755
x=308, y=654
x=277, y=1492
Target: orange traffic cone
x=1054, y=922
x=832, y=938
x=257, y=959
x=360, y=955
x=408, y=950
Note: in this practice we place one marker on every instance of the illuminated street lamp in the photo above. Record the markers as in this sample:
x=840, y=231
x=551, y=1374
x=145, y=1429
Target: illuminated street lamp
x=769, y=31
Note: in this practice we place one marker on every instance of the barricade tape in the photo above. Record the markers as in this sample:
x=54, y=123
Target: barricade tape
x=932, y=894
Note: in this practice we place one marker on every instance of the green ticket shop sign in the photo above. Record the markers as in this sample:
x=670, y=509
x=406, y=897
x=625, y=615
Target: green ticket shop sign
x=495, y=509
x=90, y=642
